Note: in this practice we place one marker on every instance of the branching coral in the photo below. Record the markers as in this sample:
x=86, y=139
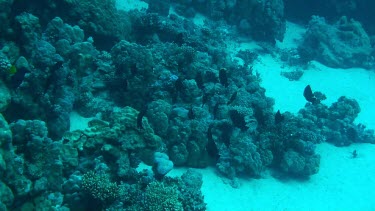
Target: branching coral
x=99, y=186
x=159, y=197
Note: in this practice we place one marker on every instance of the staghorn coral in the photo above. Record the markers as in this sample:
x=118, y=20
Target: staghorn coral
x=159, y=197
x=99, y=186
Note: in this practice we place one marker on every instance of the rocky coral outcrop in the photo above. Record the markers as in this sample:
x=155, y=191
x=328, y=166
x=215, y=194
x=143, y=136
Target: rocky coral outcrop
x=344, y=44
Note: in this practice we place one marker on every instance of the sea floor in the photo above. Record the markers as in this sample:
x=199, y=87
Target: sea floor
x=342, y=183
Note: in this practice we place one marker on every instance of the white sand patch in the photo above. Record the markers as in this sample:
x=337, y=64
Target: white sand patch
x=241, y=44
x=78, y=122
x=128, y=5
x=293, y=36
x=342, y=183
x=199, y=19
x=288, y=95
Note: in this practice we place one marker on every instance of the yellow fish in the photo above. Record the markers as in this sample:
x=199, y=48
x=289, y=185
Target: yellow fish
x=12, y=70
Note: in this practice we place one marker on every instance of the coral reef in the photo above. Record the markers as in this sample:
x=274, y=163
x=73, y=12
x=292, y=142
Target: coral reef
x=336, y=123
x=189, y=191
x=100, y=187
x=262, y=20
x=158, y=89
x=332, y=10
x=4, y=96
x=162, y=165
x=344, y=44
x=161, y=197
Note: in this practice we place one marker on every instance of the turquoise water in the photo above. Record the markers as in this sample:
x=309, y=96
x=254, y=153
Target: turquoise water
x=187, y=105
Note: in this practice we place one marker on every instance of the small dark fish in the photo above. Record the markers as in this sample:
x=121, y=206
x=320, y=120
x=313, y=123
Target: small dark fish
x=232, y=98
x=238, y=120
x=278, y=117
x=354, y=154
x=191, y=114
x=309, y=95
x=215, y=110
x=140, y=116
x=223, y=77
x=199, y=80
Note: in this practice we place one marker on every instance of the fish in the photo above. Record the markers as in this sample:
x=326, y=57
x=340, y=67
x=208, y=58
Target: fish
x=232, y=98
x=211, y=147
x=354, y=154
x=223, y=77
x=12, y=70
x=309, y=95
x=140, y=116
x=278, y=117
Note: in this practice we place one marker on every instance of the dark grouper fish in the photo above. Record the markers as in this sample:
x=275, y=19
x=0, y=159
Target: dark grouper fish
x=278, y=117
x=309, y=95
x=140, y=116
x=232, y=98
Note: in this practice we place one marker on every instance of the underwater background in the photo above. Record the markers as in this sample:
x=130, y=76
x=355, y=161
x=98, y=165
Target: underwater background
x=171, y=105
